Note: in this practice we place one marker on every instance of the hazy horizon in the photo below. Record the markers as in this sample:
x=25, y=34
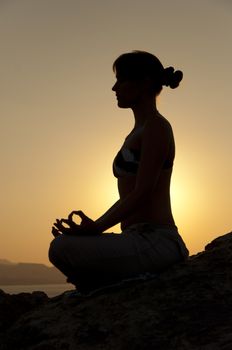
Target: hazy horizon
x=10, y=262
x=61, y=127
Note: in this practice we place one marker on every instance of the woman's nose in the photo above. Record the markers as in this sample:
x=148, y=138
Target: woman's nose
x=114, y=87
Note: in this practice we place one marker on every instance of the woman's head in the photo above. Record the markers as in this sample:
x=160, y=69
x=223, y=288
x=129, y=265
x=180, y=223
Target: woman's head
x=140, y=65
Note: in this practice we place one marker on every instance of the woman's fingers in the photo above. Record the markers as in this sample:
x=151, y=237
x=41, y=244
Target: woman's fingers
x=68, y=222
x=76, y=212
x=84, y=218
x=68, y=226
x=58, y=227
x=55, y=232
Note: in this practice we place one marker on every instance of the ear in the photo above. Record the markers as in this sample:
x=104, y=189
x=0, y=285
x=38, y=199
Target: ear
x=147, y=84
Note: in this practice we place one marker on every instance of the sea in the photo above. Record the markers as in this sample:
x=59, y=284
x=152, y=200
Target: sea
x=50, y=289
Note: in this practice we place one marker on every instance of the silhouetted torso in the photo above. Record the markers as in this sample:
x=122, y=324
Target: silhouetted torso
x=156, y=207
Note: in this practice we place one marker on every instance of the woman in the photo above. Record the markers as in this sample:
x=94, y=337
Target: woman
x=149, y=241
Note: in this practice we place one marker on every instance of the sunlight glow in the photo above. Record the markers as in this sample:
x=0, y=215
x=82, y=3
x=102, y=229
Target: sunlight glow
x=61, y=127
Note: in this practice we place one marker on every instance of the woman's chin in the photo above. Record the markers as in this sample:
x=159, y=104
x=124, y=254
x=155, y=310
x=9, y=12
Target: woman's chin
x=122, y=104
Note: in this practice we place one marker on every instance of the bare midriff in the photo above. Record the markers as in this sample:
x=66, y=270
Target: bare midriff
x=155, y=208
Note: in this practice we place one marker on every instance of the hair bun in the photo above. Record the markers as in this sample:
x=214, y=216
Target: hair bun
x=171, y=77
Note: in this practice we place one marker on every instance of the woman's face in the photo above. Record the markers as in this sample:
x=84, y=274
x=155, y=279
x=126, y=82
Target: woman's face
x=128, y=92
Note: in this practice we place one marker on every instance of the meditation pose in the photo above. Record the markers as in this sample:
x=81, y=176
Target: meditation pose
x=149, y=241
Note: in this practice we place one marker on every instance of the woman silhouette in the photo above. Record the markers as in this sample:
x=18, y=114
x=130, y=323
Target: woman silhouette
x=149, y=241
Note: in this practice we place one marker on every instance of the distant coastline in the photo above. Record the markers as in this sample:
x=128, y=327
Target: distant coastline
x=28, y=274
x=50, y=289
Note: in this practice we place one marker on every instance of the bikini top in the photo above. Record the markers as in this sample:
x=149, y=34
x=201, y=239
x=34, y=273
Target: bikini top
x=126, y=162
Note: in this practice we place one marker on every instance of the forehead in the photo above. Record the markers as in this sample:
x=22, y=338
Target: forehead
x=123, y=71
x=125, y=76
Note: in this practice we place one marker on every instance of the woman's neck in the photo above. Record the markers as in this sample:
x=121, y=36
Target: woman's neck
x=144, y=111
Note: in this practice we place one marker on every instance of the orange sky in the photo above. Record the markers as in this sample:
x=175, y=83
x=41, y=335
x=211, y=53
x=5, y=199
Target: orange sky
x=61, y=128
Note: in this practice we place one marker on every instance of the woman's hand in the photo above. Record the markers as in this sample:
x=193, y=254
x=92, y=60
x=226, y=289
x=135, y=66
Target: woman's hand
x=64, y=226
x=85, y=220
x=69, y=227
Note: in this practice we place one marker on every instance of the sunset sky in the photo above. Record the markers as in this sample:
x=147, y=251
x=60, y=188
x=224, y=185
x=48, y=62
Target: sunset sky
x=61, y=127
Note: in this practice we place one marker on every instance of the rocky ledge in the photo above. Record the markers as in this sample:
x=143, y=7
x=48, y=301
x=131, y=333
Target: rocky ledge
x=188, y=307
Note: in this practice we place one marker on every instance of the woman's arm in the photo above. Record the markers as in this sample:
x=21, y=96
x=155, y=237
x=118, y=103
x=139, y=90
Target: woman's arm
x=119, y=211
x=154, y=151
x=87, y=226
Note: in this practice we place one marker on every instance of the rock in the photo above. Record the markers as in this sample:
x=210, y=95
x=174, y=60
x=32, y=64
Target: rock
x=14, y=306
x=188, y=307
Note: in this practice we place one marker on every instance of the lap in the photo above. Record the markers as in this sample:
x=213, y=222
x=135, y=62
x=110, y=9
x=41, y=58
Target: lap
x=106, y=252
x=138, y=249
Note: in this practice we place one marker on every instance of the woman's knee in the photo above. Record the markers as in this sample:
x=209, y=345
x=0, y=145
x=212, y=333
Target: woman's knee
x=55, y=250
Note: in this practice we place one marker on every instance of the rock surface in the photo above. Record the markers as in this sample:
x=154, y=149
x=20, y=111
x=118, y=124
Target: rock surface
x=188, y=307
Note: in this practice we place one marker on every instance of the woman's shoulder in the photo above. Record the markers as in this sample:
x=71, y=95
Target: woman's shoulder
x=158, y=125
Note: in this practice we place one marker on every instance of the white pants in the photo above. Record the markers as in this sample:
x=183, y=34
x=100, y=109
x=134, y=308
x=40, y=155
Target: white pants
x=91, y=261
